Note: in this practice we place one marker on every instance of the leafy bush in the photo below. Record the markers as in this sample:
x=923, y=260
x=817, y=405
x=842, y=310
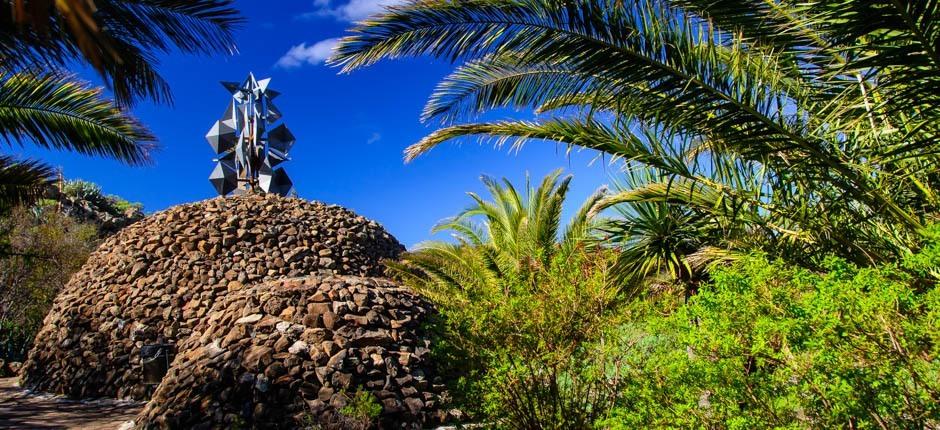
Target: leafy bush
x=523, y=305
x=39, y=251
x=525, y=353
x=362, y=407
x=766, y=345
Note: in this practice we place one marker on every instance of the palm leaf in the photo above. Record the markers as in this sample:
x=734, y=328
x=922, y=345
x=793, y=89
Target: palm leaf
x=22, y=182
x=120, y=39
x=57, y=112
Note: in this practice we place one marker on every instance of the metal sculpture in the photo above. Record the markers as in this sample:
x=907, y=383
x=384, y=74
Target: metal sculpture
x=247, y=153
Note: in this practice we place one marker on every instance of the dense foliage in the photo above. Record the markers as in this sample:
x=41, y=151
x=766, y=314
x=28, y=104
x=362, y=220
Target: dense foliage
x=798, y=128
x=762, y=344
x=780, y=164
x=767, y=345
x=521, y=298
x=40, y=249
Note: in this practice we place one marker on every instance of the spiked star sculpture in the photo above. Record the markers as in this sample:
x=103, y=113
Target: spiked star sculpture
x=247, y=153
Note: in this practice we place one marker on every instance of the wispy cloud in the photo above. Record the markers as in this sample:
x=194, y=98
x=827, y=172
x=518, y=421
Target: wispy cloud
x=343, y=10
x=374, y=138
x=299, y=55
x=351, y=10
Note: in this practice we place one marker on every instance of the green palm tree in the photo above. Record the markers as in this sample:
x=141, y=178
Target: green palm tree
x=510, y=239
x=42, y=104
x=828, y=107
x=523, y=298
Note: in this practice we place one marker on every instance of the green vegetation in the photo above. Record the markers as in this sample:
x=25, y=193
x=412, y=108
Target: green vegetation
x=41, y=246
x=521, y=299
x=361, y=412
x=78, y=190
x=362, y=407
x=43, y=104
x=40, y=249
x=558, y=342
x=767, y=261
x=767, y=345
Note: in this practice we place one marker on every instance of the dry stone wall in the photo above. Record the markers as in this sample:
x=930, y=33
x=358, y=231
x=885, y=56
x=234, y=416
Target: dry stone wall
x=294, y=351
x=157, y=279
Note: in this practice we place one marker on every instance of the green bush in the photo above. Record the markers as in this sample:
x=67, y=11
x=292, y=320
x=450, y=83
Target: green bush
x=39, y=250
x=522, y=352
x=524, y=302
x=765, y=345
x=362, y=406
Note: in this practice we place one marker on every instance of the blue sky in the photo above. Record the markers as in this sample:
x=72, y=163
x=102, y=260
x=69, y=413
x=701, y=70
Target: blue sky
x=351, y=129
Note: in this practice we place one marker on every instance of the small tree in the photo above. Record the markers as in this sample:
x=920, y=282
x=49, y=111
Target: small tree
x=523, y=302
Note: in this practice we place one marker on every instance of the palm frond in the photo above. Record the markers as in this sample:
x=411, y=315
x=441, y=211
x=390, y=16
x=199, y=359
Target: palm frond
x=511, y=235
x=581, y=225
x=57, y=112
x=119, y=38
x=808, y=124
x=22, y=182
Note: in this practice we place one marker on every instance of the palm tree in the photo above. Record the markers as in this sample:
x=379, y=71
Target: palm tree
x=522, y=298
x=42, y=104
x=511, y=239
x=827, y=106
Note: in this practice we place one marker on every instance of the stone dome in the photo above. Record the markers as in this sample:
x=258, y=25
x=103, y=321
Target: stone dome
x=295, y=351
x=156, y=280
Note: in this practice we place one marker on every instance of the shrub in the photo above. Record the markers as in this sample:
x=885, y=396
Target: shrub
x=766, y=345
x=362, y=406
x=525, y=353
x=524, y=302
x=39, y=251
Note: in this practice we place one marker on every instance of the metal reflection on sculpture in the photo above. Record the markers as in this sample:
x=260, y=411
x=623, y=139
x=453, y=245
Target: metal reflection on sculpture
x=247, y=153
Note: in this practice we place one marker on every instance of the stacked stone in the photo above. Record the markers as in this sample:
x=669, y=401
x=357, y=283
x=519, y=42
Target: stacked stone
x=154, y=281
x=295, y=351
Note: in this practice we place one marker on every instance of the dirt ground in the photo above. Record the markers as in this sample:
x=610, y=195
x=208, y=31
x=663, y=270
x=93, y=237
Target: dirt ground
x=20, y=409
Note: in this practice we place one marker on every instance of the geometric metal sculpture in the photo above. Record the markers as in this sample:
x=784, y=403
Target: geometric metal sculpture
x=247, y=153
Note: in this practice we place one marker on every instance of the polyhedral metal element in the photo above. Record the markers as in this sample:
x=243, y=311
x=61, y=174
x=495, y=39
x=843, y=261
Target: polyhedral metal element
x=247, y=154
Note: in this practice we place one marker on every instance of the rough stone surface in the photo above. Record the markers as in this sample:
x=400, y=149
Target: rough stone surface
x=264, y=358
x=156, y=280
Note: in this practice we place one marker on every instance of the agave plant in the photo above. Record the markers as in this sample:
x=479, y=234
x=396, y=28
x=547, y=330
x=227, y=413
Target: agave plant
x=830, y=103
x=42, y=104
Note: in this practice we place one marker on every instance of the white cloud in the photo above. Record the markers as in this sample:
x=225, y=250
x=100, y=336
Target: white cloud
x=352, y=10
x=374, y=138
x=299, y=55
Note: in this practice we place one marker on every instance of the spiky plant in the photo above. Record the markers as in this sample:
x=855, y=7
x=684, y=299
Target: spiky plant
x=512, y=239
x=523, y=299
x=42, y=104
x=833, y=102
